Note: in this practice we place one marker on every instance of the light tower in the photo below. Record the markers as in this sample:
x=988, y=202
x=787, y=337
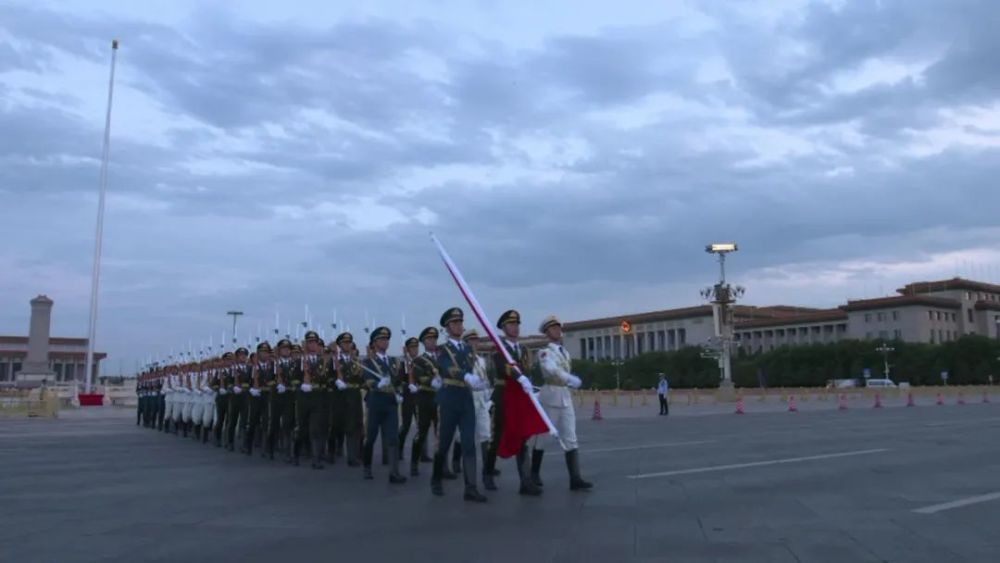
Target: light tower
x=723, y=297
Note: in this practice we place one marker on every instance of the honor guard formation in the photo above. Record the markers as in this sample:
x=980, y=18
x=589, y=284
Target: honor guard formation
x=328, y=403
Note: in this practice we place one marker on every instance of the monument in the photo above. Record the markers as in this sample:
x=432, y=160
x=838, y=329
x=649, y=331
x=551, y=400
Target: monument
x=36, y=365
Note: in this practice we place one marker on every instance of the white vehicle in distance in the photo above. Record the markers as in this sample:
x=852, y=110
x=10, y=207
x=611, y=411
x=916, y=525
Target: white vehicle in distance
x=880, y=384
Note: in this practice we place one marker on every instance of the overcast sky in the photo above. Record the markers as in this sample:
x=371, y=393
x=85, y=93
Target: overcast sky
x=269, y=155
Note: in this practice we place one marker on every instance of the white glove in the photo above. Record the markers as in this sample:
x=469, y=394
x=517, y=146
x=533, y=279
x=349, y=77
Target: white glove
x=306, y=388
x=340, y=385
x=436, y=383
x=489, y=405
x=222, y=391
x=473, y=381
x=205, y=388
x=237, y=389
x=413, y=388
x=281, y=388
x=399, y=398
x=525, y=384
x=574, y=382
x=255, y=392
x=384, y=382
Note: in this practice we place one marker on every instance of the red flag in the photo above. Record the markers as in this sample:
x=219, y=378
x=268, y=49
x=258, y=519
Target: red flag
x=521, y=420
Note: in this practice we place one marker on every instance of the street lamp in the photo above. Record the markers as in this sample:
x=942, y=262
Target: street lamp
x=723, y=297
x=885, y=350
x=235, y=315
x=618, y=373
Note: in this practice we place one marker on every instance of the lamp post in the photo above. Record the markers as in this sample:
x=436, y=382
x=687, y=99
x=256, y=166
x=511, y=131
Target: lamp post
x=885, y=350
x=235, y=315
x=618, y=373
x=723, y=297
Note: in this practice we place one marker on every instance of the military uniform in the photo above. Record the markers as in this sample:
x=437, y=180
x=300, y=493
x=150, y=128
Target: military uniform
x=266, y=382
x=283, y=402
x=383, y=381
x=338, y=407
x=220, y=396
x=555, y=363
x=197, y=399
x=312, y=407
x=351, y=379
x=456, y=366
x=255, y=400
x=425, y=372
x=507, y=375
x=169, y=401
x=236, y=415
x=408, y=410
x=481, y=401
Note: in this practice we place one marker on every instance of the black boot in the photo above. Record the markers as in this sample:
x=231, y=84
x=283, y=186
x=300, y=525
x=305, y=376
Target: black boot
x=317, y=454
x=488, y=462
x=247, y=443
x=394, y=476
x=456, y=459
x=436, y=487
x=295, y=452
x=385, y=455
x=576, y=483
x=472, y=494
x=185, y=432
x=536, y=467
x=353, y=448
x=528, y=487
x=367, y=457
x=414, y=460
x=447, y=474
x=205, y=431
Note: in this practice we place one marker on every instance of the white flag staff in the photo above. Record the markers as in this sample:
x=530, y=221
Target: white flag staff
x=488, y=327
x=95, y=276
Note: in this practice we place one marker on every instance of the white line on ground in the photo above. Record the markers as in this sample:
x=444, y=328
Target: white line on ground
x=957, y=503
x=649, y=446
x=756, y=464
x=961, y=422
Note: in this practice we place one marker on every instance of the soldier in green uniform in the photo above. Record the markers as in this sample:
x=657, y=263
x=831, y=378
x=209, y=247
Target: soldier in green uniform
x=236, y=399
x=411, y=349
x=284, y=403
x=510, y=323
x=217, y=382
x=423, y=373
x=312, y=409
x=260, y=369
x=383, y=381
x=350, y=379
x=338, y=406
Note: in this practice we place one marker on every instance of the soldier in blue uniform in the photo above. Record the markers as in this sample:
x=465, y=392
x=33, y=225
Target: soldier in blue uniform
x=383, y=405
x=456, y=381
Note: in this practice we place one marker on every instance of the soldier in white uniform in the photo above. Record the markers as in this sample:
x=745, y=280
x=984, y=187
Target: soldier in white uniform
x=187, y=398
x=197, y=400
x=169, y=400
x=555, y=363
x=481, y=401
x=207, y=403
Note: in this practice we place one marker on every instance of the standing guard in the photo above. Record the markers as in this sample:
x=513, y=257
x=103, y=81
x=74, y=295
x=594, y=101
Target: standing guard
x=481, y=400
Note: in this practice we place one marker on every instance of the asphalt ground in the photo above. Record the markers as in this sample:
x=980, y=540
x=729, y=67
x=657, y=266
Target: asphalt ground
x=865, y=484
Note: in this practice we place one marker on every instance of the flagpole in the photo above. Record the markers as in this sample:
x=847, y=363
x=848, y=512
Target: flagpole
x=103, y=186
x=484, y=322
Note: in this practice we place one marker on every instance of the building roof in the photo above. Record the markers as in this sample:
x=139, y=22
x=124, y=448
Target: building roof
x=812, y=317
x=53, y=341
x=987, y=306
x=917, y=288
x=651, y=317
x=901, y=301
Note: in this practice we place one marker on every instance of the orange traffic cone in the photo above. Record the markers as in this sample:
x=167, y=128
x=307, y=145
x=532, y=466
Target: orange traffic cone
x=940, y=400
x=878, y=401
x=909, y=399
x=739, y=405
x=597, y=410
x=791, y=404
x=842, y=403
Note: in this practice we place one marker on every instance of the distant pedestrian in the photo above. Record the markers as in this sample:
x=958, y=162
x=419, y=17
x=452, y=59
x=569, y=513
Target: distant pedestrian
x=662, y=389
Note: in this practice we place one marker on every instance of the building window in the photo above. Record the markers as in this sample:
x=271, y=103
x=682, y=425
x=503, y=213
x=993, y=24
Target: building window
x=583, y=348
x=640, y=340
x=14, y=368
x=940, y=335
x=930, y=315
x=868, y=317
x=681, y=337
x=868, y=335
x=881, y=317
x=3, y=371
x=897, y=334
x=932, y=336
x=970, y=315
x=883, y=334
x=895, y=315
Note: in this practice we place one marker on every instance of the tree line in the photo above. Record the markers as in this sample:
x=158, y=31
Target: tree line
x=969, y=360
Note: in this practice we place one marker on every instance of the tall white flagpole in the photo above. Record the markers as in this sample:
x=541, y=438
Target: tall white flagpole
x=103, y=186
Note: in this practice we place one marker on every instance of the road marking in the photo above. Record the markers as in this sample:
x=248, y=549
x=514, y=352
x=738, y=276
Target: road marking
x=757, y=464
x=961, y=422
x=649, y=446
x=957, y=503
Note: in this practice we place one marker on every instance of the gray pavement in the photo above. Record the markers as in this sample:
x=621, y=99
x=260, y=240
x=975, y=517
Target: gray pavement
x=817, y=485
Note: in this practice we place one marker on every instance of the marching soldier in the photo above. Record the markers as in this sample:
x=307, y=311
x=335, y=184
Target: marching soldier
x=238, y=400
x=169, y=400
x=481, y=400
x=284, y=401
x=197, y=399
x=555, y=397
x=510, y=323
x=187, y=396
x=338, y=406
x=266, y=383
x=312, y=409
x=383, y=382
x=208, y=403
x=218, y=385
x=411, y=349
x=350, y=379
x=260, y=369
x=422, y=375
x=160, y=401
x=457, y=380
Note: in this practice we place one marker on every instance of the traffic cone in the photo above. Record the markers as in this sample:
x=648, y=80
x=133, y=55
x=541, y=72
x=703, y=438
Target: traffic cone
x=597, y=410
x=791, y=404
x=940, y=400
x=842, y=403
x=878, y=401
x=961, y=398
x=739, y=405
x=909, y=399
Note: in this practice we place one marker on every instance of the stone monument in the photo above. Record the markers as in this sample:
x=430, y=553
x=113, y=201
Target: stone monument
x=36, y=365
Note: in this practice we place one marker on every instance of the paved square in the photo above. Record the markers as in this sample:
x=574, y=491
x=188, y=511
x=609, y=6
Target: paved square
x=892, y=484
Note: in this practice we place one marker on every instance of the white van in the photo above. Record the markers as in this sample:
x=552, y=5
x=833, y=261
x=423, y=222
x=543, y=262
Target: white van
x=880, y=384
